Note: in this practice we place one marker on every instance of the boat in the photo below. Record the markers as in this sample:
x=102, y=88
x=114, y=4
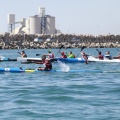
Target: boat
x=6, y=59
x=23, y=70
x=66, y=60
x=93, y=59
x=20, y=70
x=71, y=60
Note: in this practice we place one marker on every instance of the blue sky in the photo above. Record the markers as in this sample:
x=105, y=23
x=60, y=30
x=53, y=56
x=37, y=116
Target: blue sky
x=72, y=16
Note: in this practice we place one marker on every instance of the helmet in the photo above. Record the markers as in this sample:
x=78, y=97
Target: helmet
x=62, y=53
x=49, y=51
x=43, y=57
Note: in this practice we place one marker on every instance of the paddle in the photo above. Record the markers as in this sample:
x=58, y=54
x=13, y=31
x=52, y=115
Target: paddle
x=98, y=50
x=117, y=49
x=38, y=54
x=80, y=50
x=18, y=49
x=59, y=49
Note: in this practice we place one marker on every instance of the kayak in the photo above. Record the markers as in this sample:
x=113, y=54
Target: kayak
x=19, y=70
x=93, y=59
x=71, y=60
x=23, y=70
x=6, y=59
x=20, y=59
x=66, y=60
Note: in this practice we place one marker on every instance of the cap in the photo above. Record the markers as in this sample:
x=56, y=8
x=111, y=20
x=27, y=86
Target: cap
x=23, y=51
x=49, y=51
x=107, y=52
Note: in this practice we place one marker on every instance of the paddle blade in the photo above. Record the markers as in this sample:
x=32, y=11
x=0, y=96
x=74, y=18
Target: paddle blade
x=82, y=48
x=61, y=46
x=97, y=50
x=38, y=54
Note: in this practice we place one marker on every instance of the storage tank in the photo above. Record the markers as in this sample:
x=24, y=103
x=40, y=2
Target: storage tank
x=50, y=25
x=35, y=25
x=11, y=18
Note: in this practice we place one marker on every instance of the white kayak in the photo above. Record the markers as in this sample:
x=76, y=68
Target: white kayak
x=20, y=59
x=93, y=59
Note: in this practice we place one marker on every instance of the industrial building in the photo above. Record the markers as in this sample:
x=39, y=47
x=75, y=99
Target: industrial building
x=37, y=24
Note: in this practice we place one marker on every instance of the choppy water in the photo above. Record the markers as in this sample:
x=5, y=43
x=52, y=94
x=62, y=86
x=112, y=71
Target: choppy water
x=62, y=95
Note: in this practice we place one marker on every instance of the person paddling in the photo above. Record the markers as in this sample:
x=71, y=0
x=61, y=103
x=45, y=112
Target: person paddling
x=71, y=55
x=63, y=55
x=46, y=62
x=100, y=56
x=85, y=57
x=108, y=56
x=50, y=55
x=23, y=54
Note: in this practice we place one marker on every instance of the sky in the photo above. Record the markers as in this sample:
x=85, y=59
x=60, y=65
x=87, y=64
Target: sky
x=94, y=17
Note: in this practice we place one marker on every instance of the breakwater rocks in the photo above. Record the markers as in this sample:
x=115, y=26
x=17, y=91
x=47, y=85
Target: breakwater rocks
x=21, y=41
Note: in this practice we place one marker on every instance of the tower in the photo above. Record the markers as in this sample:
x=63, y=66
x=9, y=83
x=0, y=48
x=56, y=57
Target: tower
x=42, y=15
x=11, y=22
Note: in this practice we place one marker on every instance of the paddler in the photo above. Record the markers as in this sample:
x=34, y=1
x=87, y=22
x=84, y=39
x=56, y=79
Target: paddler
x=63, y=55
x=100, y=56
x=50, y=54
x=108, y=56
x=85, y=57
x=70, y=55
x=23, y=54
x=46, y=62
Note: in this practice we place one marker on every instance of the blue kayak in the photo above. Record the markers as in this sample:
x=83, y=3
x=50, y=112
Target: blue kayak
x=7, y=59
x=71, y=60
x=19, y=70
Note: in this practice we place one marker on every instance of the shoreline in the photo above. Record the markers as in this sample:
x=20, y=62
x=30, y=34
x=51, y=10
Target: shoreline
x=25, y=41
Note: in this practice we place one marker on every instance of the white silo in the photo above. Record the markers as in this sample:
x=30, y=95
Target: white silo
x=35, y=25
x=50, y=25
x=27, y=24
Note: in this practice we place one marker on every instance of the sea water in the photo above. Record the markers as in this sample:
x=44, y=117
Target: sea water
x=60, y=95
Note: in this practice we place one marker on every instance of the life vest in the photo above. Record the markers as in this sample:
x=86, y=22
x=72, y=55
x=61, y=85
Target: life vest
x=51, y=55
x=48, y=66
x=100, y=57
x=85, y=57
x=63, y=56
